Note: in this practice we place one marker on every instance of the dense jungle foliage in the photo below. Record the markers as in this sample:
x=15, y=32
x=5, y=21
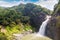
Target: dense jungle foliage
x=21, y=18
x=24, y=17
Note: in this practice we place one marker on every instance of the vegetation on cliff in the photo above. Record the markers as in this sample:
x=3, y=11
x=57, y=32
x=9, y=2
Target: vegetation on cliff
x=25, y=17
x=21, y=18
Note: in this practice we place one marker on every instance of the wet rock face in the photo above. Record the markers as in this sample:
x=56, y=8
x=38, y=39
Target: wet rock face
x=53, y=28
x=36, y=21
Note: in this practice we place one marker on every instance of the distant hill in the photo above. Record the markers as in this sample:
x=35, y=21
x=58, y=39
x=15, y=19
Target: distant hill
x=26, y=13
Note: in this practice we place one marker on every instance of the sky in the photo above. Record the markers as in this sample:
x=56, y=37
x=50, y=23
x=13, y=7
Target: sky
x=49, y=4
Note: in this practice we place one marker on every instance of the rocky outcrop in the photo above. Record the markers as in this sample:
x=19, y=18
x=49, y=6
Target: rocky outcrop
x=21, y=35
x=36, y=21
x=50, y=29
x=53, y=28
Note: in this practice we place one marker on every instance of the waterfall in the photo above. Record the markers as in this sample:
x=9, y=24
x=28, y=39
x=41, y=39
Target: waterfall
x=43, y=26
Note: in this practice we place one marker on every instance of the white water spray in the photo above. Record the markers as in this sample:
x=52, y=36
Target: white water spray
x=43, y=26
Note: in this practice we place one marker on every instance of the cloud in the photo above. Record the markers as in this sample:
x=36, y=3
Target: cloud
x=8, y=4
x=44, y=3
x=49, y=4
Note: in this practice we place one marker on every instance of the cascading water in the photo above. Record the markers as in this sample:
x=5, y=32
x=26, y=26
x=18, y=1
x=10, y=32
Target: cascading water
x=40, y=34
x=43, y=26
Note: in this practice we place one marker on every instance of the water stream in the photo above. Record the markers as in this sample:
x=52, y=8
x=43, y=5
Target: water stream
x=43, y=26
x=41, y=32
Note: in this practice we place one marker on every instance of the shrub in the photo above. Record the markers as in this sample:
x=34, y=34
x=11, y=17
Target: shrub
x=3, y=36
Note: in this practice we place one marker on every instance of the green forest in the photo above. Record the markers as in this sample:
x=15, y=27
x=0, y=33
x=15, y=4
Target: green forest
x=28, y=17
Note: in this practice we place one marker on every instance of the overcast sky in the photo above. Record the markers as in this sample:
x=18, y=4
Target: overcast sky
x=44, y=3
